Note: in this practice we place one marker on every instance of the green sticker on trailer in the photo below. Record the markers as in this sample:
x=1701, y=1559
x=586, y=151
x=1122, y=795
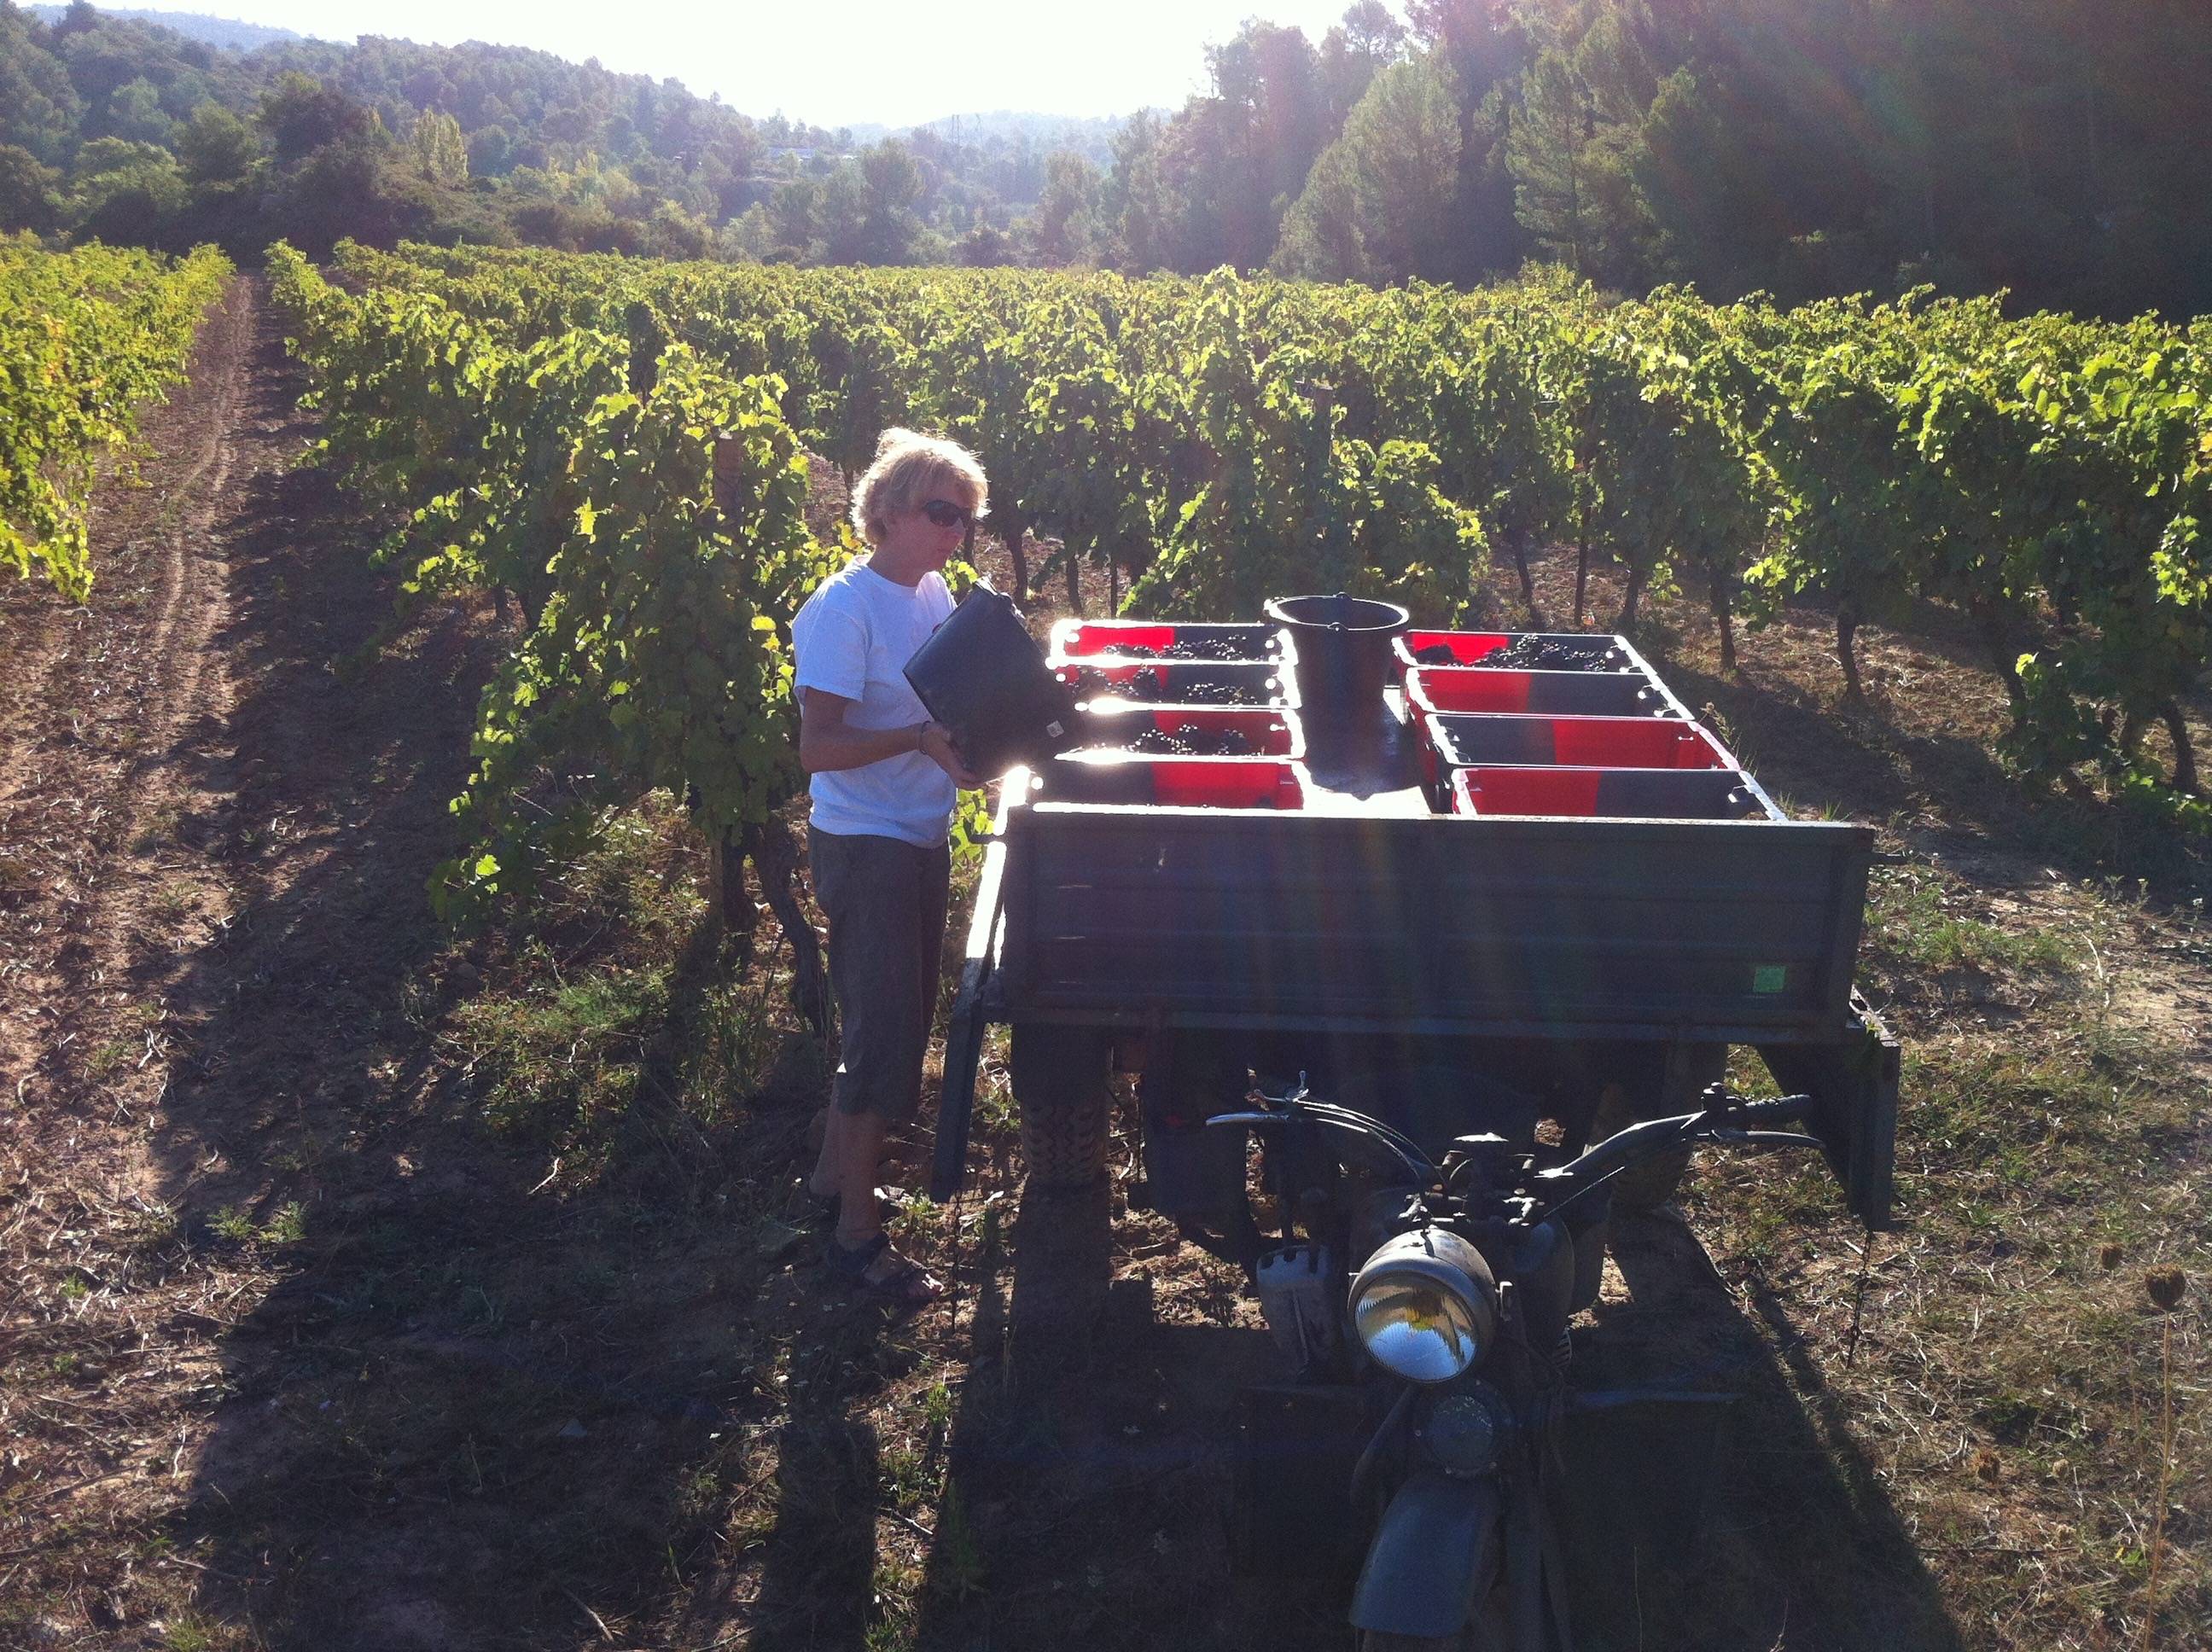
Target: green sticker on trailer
x=1770, y=977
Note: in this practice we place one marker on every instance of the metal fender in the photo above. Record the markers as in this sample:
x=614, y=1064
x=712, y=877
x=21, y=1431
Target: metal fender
x=1435, y=1554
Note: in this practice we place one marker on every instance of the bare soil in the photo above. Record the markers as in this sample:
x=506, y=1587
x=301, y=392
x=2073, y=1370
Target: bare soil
x=371, y=1287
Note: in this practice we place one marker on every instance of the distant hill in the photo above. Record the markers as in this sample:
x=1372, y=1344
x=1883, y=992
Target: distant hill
x=1091, y=138
x=146, y=126
x=225, y=31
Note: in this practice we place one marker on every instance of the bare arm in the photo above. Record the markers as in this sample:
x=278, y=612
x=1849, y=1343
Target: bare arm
x=827, y=743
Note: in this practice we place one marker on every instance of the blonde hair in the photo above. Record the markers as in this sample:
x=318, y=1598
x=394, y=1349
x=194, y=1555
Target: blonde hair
x=911, y=469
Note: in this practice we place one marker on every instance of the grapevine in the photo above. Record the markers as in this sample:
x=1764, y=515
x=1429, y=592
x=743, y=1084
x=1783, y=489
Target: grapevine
x=86, y=339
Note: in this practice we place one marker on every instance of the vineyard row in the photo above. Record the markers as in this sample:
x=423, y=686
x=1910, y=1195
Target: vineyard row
x=544, y=421
x=86, y=339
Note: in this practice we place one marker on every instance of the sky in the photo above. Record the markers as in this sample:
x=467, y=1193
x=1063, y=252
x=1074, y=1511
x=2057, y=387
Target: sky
x=841, y=61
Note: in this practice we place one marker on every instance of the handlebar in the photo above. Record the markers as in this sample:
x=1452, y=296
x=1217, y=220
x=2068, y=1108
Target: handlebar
x=1725, y=1117
x=1282, y=1108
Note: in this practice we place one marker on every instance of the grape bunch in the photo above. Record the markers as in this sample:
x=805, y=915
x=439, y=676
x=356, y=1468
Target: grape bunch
x=1542, y=654
x=1157, y=742
x=1218, y=649
x=1436, y=654
x=1217, y=693
x=1215, y=648
x=1161, y=685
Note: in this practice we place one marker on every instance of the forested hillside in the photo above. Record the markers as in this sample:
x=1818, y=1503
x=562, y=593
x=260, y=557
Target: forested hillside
x=1801, y=147
x=226, y=31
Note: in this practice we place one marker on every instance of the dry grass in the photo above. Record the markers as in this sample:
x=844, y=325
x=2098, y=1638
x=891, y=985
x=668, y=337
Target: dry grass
x=1997, y=1376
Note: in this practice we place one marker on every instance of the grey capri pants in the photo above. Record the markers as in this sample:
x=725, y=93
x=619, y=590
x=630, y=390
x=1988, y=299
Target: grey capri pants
x=886, y=900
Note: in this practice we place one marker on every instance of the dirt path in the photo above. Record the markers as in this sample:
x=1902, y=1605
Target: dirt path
x=111, y=697
x=211, y=861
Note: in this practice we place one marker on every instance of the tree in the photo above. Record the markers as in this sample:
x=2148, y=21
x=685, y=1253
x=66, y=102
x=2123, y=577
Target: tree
x=894, y=183
x=672, y=232
x=216, y=147
x=1479, y=40
x=439, y=155
x=301, y=114
x=1064, y=222
x=490, y=151
x=1552, y=157
x=1371, y=32
x=985, y=247
x=135, y=112
x=126, y=192
x=792, y=211
x=1134, y=206
x=865, y=214
x=1377, y=204
x=29, y=192
x=39, y=109
x=1239, y=157
x=1324, y=232
x=1356, y=51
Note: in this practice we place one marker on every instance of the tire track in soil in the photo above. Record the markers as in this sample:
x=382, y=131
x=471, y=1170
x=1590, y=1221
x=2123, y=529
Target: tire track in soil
x=106, y=693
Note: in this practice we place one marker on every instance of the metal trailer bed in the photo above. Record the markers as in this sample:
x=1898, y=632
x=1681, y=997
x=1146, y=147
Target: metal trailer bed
x=1365, y=913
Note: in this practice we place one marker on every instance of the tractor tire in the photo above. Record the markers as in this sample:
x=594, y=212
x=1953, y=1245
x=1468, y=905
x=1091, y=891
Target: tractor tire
x=1063, y=1093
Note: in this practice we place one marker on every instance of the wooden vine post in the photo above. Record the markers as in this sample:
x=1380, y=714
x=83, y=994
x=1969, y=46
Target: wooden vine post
x=767, y=844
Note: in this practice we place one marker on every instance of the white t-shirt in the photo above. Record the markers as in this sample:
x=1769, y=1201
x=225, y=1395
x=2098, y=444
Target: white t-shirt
x=853, y=637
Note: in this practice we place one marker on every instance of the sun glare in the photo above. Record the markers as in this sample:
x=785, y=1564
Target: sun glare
x=846, y=62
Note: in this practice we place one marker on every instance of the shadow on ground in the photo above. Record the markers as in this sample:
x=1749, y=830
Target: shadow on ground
x=1087, y=1506
x=466, y=1415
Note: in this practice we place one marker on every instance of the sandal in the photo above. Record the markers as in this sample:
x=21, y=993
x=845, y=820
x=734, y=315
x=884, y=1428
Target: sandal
x=905, y=1285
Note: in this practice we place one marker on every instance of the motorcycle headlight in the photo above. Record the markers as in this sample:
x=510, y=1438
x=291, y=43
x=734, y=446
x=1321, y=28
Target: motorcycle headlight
x=1424, y=1305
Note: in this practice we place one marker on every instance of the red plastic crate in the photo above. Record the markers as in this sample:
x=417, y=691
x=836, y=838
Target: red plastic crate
x=1469, y=740
x=1179, y=681
x=1431, y=688
x=1268, y=730
x=1076, y=639
x=1619, y=794
x=1172, y=782
x=1474, y=647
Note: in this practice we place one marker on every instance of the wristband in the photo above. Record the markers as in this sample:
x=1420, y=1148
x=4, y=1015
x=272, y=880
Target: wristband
x=921, y=736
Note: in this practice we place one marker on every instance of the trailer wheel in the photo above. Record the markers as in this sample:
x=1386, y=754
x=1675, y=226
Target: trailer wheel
x=1650, y=1184
x=1062, y=1089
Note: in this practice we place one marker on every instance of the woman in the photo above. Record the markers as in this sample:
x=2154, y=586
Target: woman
x=883, y=778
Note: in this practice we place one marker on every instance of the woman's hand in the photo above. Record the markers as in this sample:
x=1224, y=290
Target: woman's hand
x=936, y=743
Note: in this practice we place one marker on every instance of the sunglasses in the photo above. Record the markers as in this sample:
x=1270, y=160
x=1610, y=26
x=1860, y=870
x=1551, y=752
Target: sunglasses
x=944, y=514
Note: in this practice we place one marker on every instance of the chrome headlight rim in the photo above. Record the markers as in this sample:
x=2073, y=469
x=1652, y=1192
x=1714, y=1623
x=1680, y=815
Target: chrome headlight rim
x=1451, y=1328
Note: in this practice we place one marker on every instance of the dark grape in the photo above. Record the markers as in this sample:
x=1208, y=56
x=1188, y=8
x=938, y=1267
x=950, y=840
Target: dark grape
x=1167, y=685
x=1436, y=654
x=1542, y=654
x=1156, y=742
x=1215, y=648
